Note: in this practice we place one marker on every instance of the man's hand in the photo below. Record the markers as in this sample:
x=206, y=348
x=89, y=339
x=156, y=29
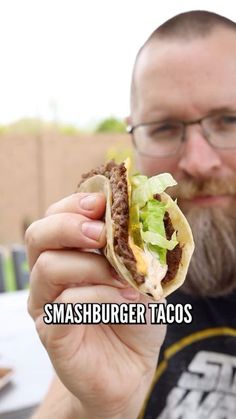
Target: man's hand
x=109, y=368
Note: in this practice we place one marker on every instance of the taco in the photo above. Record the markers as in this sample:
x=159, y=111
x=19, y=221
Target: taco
x=149, y=241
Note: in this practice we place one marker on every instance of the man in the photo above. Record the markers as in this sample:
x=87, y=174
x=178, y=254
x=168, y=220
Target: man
x=183, y=117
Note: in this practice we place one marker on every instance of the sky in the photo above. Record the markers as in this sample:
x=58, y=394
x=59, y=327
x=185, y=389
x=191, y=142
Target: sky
x=71, y=61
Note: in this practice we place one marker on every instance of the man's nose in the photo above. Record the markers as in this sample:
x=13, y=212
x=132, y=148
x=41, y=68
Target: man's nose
x=198, y=158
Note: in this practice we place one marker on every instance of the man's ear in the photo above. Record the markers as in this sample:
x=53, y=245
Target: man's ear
x=128, y=120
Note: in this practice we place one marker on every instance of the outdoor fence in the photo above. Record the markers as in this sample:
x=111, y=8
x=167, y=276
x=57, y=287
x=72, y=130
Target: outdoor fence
x=37, y=170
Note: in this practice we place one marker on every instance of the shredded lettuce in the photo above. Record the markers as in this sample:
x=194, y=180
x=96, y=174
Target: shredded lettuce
x=156, y=238
x=143, y=189
x=138, y=180
x=160, y=182
x=158, y=252
x=152, y=216
x=147, y=214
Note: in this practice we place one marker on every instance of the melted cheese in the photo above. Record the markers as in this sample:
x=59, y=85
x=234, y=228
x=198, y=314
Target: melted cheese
x=142, y=266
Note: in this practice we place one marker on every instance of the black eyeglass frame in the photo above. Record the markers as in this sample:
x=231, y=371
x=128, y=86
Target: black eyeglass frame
x=131, y=128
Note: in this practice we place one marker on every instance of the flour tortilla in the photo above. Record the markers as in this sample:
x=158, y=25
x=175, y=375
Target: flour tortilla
x=99, y=183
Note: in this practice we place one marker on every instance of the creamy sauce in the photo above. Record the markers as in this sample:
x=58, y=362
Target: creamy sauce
x=156, y=272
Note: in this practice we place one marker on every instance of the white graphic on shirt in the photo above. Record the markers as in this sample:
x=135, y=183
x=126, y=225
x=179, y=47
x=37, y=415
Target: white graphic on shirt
x=206, y=390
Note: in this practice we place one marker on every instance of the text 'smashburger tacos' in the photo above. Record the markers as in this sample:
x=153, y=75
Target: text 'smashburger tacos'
x=149, y=241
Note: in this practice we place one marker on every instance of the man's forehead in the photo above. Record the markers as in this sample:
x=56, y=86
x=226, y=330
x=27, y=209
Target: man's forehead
x=189, y=66
x=157, y=50
x=148, y=55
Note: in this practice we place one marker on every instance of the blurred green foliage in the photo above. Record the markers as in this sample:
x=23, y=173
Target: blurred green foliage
x=38, y=125
x=111, y=125
x=3, y=129
x=68, y=130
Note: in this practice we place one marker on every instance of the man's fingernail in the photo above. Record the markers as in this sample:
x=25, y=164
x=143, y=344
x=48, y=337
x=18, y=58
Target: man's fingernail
x=93, y=229
x=88, y=202
x=130, y=293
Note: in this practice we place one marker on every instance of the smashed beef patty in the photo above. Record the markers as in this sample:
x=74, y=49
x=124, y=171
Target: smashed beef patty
x=117, y=175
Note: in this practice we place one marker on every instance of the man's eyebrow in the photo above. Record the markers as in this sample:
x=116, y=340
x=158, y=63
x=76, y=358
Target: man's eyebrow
x=219, y=109
x=213, y=111
x=165, y=117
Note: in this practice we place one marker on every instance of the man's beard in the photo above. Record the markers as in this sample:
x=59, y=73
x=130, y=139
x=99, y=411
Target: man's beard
x=212, y=270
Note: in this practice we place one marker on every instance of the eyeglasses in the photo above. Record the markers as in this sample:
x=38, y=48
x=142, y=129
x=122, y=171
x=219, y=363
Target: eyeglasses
x=164, y=138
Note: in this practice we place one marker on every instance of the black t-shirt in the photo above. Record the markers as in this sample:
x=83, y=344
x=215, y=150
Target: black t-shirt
x=196, y=373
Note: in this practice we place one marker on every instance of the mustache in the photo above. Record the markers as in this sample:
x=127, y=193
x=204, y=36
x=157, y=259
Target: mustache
x=189, y=188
